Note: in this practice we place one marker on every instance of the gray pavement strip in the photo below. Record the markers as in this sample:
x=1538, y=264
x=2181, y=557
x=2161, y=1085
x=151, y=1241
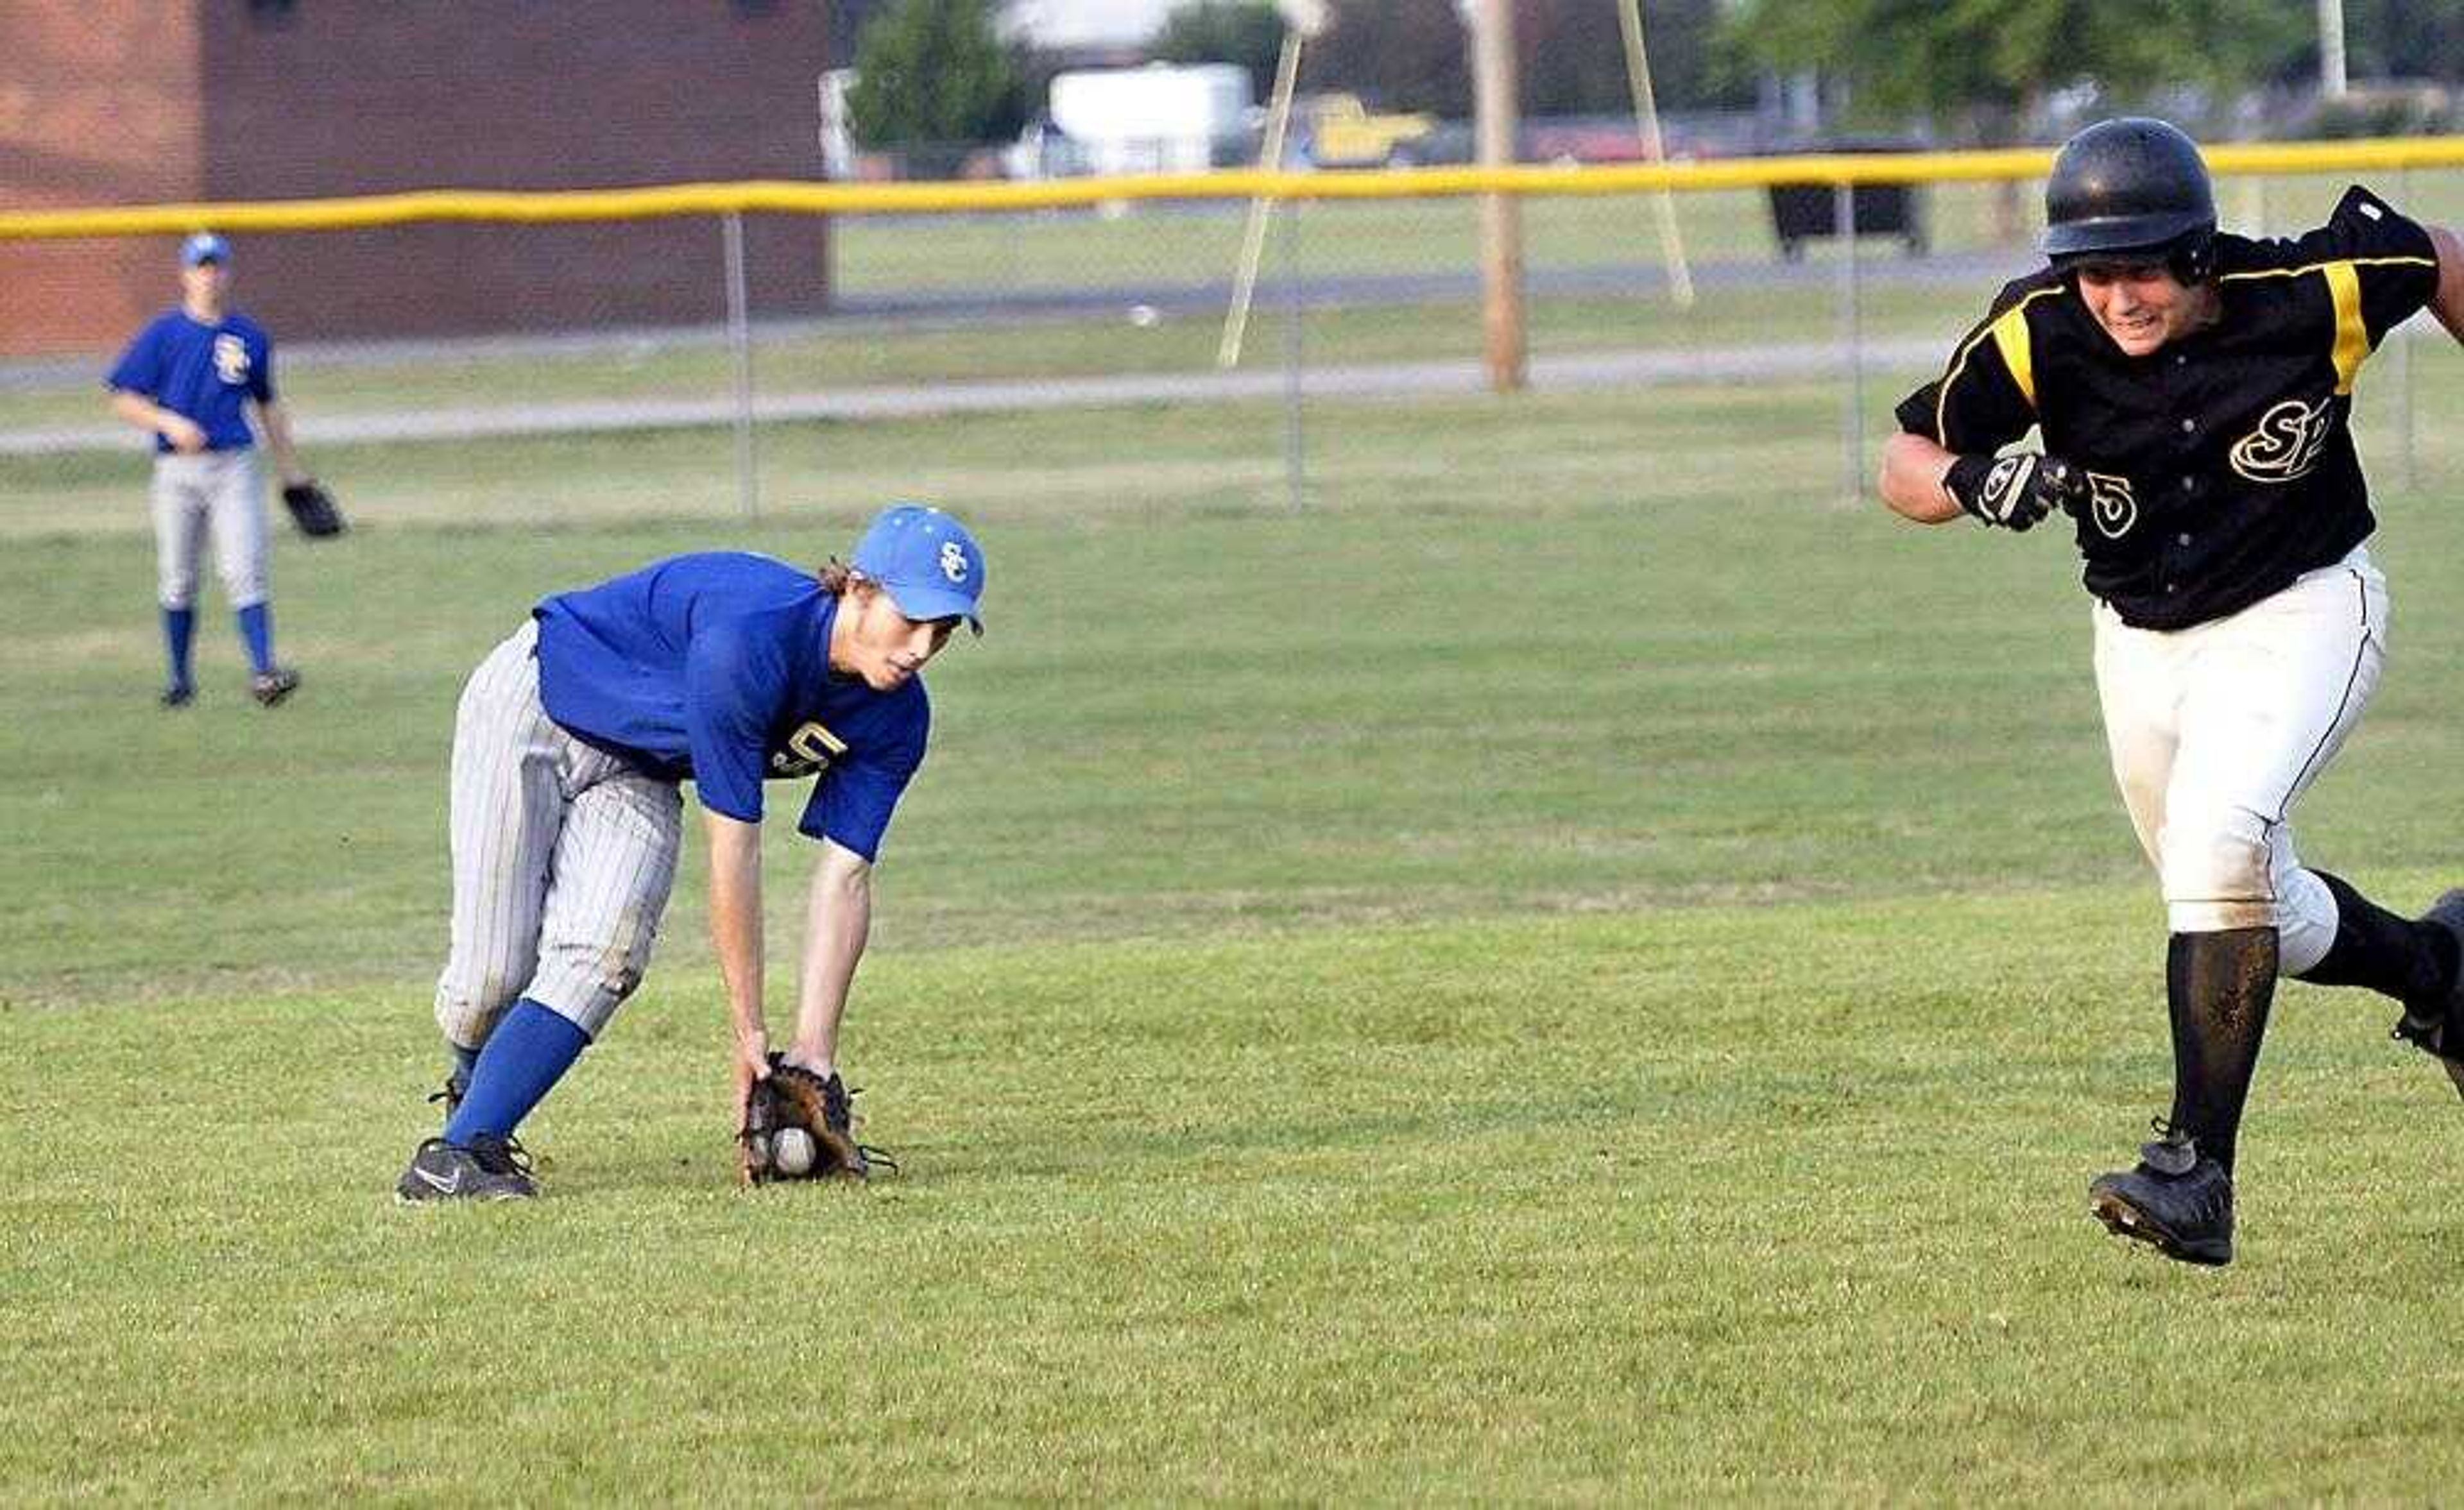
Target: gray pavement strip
x=857, y=311
x=1576, y=371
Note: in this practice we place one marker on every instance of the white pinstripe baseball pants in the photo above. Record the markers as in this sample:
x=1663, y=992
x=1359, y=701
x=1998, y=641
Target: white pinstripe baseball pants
x=563, y=856
x=2216, y=730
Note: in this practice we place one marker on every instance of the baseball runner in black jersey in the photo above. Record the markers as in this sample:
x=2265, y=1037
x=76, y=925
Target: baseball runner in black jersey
x=2193, y=392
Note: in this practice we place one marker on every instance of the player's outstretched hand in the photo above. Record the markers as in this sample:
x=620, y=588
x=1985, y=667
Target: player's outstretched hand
x=755, y=1138
x=756, y=1111
x=2016, y=491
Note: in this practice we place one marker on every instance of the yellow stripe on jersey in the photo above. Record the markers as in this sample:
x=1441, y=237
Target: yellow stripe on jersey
x=2352, y=336
x=2022, y=371
x=2343, y=277
x=2010, y=338
x=2317, y=266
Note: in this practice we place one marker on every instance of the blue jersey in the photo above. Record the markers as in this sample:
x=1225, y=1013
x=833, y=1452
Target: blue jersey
x=207, y=373
x=716, y=666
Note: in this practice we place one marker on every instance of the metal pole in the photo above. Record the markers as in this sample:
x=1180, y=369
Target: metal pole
x=1295, y=454
x=2411, y=461
x=1852, y=341
x=739, y=337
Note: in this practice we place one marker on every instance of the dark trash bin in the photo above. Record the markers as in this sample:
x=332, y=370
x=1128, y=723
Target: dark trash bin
x=1803, y=212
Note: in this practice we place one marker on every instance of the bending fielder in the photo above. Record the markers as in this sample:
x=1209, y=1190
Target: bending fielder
x=2194, y=393
x=570, y=747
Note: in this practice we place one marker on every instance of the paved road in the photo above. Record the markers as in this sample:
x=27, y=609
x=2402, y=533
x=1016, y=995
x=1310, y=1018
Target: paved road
x=860, y=313
x=1389, y=380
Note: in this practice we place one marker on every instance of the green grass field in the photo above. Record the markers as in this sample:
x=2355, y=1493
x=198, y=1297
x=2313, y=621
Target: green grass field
x=1579, y=968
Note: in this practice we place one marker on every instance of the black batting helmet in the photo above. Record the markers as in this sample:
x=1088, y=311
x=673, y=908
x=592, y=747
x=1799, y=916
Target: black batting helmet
x=2129, y=185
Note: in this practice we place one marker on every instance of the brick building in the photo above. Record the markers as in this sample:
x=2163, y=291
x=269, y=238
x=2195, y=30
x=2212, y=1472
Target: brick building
x=123, y=102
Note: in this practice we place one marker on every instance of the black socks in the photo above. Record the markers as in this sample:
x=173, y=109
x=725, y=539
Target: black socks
x=2218, y=987
x=2413, y=962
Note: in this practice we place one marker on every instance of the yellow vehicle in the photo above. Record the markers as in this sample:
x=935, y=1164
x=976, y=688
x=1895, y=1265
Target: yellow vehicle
x=1345, y=133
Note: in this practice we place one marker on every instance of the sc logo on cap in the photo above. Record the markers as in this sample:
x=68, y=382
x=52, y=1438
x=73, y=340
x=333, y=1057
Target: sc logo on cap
x=954, y=560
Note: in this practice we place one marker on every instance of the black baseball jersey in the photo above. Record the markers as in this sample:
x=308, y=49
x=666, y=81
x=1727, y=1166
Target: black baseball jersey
x=2221, y=464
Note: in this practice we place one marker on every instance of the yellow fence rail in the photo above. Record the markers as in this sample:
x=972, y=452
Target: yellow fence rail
x=787, y=197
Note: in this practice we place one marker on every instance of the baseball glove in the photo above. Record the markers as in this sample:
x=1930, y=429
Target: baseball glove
x=794, y=1099
x=313, y=509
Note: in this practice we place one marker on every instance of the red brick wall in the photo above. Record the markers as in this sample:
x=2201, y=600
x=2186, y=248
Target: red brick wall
x=97, y=105
x=349, y=96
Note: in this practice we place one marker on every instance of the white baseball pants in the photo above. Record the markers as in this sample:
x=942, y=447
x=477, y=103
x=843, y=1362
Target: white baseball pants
x=563, y=856
x=216, y=492
x=2217, y=730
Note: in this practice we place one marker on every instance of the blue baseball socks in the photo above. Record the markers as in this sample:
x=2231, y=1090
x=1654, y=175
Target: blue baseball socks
x=257, y=632
x=179, y=634
x=525, y=1056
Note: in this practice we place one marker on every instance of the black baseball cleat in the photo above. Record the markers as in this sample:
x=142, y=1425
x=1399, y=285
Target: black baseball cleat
x=273, y=685
x=179, y=694
x=2438, y=1029
x=2177, y=1201
x=485, y=1170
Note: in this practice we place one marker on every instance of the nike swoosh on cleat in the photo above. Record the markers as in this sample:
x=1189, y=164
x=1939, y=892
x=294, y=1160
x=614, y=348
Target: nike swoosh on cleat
x=442, y=1187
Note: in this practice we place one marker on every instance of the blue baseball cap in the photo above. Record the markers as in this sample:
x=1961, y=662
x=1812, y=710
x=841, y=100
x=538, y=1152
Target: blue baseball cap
x=926, y=560
x=202, y=247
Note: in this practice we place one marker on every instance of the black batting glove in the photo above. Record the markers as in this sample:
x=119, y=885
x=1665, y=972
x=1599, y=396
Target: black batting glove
x=2016, y=491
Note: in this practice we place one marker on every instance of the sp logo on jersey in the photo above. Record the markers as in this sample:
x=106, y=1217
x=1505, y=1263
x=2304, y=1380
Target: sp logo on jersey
x=2287, y=443
x=810, y=747
x=230, y=359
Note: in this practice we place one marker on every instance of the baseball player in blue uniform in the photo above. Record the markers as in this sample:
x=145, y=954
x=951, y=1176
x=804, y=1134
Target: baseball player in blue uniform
x=570, y=745
x=191, y=377
x=2193, y=392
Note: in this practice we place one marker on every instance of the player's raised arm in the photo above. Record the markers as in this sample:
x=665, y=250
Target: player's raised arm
x=2448, y=304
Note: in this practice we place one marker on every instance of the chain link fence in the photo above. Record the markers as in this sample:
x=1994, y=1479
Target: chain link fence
x=1078, y=359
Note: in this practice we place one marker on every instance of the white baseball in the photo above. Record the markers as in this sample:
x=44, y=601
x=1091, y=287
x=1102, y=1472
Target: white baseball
x=792, y=1151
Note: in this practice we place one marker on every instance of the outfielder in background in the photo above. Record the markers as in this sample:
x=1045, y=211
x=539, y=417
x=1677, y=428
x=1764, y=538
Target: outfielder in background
x=570, y=747
x=2194, y=391
x=190, y=378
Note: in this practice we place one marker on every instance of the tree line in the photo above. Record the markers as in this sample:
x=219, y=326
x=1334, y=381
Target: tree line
x=936, y=72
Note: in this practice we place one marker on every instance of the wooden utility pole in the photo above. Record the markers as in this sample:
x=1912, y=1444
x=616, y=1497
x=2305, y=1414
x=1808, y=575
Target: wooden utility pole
x=1496, y=124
